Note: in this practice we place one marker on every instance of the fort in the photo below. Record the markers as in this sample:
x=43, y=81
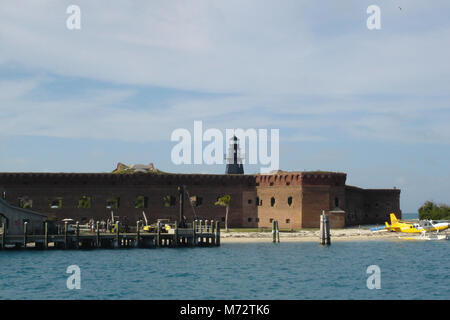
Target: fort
x=294, y=199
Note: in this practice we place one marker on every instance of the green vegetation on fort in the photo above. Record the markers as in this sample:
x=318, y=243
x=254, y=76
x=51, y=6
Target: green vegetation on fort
x=140, y=202
x=169, y=201
x=430, y=210
x=112, y=203
x=124, y=169
x=225, y=201
x=84, y=203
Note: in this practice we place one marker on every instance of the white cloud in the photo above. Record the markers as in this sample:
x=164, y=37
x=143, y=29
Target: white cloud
x=249, y=47
x=106, y=114
x=293, y=66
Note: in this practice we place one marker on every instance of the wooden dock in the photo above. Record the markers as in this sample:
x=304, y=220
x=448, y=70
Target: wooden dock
x=197, y=234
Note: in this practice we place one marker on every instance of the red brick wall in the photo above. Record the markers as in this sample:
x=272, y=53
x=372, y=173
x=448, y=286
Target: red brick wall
x=288, y=216
x=337, y=219
x=371, y=206
x=311, y=193
x=42, y=188
x=315, y=199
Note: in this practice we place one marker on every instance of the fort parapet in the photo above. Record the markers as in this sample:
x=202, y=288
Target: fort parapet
x=295, y=199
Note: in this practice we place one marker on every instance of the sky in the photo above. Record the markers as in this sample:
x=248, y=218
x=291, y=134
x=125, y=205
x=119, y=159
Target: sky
x=371, y=103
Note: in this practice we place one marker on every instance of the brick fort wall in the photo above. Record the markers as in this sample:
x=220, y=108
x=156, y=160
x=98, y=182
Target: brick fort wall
x=295, y=199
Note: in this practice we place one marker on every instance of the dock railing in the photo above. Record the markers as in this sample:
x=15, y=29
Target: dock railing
x=197, y=233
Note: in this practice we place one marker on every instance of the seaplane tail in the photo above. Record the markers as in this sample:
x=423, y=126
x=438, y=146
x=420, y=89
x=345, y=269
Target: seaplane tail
x=400, y=226
x=394, y=224
x=389, y=228
x=393, y=219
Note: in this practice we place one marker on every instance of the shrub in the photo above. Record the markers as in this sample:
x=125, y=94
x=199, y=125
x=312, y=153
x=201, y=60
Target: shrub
x=430, y=210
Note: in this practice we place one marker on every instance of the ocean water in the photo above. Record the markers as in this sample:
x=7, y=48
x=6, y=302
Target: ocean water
x=410, y=215
x=409, y=270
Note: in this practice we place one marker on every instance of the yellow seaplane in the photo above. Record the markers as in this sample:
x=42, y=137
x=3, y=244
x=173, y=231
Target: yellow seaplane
x=420, y=227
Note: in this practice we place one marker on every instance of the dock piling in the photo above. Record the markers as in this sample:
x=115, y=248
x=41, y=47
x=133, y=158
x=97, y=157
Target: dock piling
x=278, y=232
x=158, y=234
x=194, y=227
x=77, y=239
x=175, y=236
x=325, y=238
x=274, y=227
x=45, y=235
x=117, y=244
x=217, y=233
x=4, y=234
x=65, y=235
x=213, y=229
x=138, y=236
x=97, y=238
x=25, y=227
x=200, y=230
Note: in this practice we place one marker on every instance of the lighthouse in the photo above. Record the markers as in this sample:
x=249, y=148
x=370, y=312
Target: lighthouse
x=234, y=159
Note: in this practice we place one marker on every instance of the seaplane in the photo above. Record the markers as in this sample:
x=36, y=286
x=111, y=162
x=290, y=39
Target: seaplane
x=409, y=227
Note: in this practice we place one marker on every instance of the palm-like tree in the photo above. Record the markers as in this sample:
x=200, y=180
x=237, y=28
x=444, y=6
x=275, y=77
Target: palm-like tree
x=224, y=201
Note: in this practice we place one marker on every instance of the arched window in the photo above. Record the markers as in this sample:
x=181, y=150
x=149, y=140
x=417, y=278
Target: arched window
x=272, y=201
x=290, y=201
x=336, y=202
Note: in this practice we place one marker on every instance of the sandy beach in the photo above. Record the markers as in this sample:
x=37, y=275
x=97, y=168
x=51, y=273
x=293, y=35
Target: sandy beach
x=351, y=234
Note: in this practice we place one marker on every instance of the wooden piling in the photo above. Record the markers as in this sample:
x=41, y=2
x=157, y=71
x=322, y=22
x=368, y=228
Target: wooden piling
x=4, y=235
x=217, y=233
x=274, y=226
x=200, y=231
x=194, y=227
x=97, y=238
x=25, y=227
x=325, y=238
x=175, y=236
x=77, y=238
x=213, y=238
x=118, y=234
x=158, y=234
x=278, y=232
x=138, y=236
x=45, y=235
x=65, y=235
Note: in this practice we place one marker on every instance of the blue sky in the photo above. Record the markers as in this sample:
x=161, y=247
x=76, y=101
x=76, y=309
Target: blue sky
x=373, y=104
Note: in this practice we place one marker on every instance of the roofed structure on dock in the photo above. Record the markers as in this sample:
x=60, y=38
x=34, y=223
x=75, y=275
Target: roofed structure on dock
x=15, y=217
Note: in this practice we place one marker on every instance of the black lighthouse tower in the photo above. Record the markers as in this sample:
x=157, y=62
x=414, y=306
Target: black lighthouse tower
x=234, y=159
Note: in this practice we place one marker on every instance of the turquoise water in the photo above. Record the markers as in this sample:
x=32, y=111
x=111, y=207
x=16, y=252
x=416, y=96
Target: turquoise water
x=407, y=216
x=409, y=270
